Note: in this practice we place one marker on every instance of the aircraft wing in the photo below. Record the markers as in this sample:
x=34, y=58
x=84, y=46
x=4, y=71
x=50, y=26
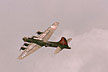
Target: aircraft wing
x=44, y=36
x=47, y=33
x=31, y=48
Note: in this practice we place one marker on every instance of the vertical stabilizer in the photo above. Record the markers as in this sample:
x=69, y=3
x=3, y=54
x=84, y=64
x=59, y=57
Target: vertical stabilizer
x=63, y=41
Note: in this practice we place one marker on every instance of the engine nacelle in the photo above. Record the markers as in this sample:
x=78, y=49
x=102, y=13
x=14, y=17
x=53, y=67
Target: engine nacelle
x=23, y=48
x=39, y=32
x=26, y=44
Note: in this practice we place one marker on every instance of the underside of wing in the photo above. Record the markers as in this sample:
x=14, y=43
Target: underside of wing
x=47, y=33
x=31, y=48
x=51, y=29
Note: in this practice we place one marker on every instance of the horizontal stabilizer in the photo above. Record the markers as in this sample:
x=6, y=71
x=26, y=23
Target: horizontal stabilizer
x=58, y=49
x=68, y=40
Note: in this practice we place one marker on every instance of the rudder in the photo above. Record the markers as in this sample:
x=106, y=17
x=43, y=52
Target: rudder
x=63, y=41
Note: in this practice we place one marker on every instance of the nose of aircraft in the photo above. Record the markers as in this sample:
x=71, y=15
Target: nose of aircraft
x=24, y=39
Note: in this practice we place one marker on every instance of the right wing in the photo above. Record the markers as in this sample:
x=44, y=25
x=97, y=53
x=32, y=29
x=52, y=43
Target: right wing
x=30, y=49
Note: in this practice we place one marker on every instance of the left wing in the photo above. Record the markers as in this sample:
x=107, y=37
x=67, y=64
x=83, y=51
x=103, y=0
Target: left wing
x=47, y=33
x=31, y=48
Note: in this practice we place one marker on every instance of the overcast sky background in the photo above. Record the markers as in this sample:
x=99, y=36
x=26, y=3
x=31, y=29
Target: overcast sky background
x=86, y=21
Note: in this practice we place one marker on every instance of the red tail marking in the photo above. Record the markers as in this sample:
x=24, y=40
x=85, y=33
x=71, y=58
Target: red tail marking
x=63, y=41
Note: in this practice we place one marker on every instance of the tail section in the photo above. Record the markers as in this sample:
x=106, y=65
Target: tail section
x=63, y=41
x=64, y=44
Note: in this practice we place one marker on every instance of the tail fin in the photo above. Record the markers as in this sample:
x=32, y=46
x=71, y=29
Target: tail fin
x=63, y=41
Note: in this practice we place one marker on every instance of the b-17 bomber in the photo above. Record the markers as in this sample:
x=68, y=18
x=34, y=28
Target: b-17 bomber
x=31, y=44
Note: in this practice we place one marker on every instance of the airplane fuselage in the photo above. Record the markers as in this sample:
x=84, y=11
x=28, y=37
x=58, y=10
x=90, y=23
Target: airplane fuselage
x=46, y=44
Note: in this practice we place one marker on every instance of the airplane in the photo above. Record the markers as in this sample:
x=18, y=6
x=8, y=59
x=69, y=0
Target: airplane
x=31, y=44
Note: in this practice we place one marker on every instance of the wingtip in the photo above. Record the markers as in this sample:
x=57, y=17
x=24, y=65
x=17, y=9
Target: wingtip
x=19, y=58
x=56, y=23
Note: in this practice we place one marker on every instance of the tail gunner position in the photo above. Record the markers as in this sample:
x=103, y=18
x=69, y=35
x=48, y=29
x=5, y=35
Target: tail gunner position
x=41, y=40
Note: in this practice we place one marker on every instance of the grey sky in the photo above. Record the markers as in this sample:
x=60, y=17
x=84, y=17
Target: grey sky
x=78, y=18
